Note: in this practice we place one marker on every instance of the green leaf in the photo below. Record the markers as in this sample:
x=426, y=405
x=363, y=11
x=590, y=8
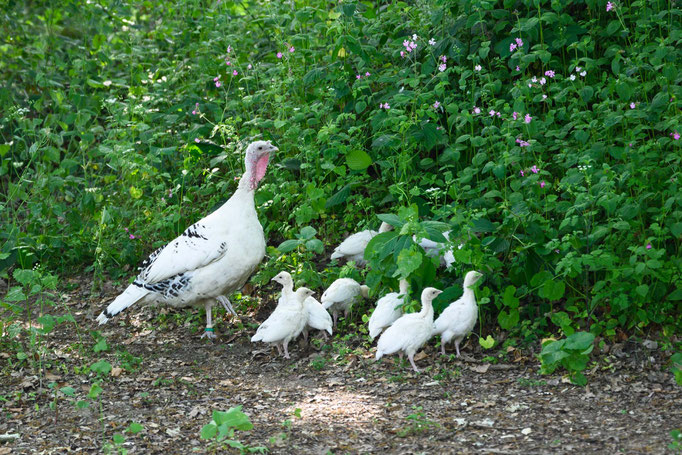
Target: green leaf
x=360, y=106
x=209, y=431
x=358, y=160
x=315, y=245
x=234, y=417
x=409, y=260
x=68, y=391
x=579, y=341
x=508, y=320
x=95, y=391
x=15, y=294
x=483, y=225
x=134, y=428
x=308, y=232
x=487, y=342
x=101, y=367
x=553, y=290
x=47, y=321
x=288, y=245
x=508, y=297
x=101, y=345
x=135, y=193
x=339, y=197
x=118, y=438
x=25, y=277
x=393, y=220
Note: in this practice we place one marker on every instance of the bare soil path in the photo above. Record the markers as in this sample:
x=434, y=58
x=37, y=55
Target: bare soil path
x=348, y=402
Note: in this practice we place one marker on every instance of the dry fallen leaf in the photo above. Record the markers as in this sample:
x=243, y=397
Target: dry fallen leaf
x=483, y=368
x=116, y=372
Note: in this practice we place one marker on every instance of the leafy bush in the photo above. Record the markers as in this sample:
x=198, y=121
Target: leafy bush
x=572, y=353
x=544, y=134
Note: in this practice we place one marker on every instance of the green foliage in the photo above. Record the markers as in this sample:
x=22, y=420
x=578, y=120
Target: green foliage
x=676, y=367
x=115, y=137
x=417, y=423
x=221, y=430
x=571, y=353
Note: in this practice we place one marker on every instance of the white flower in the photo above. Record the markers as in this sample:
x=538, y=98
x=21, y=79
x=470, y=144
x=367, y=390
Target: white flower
x=477, y=67
x=432, y=42
x=414, y=37
x=583, y=74
x=106, y=83
x=572, y=77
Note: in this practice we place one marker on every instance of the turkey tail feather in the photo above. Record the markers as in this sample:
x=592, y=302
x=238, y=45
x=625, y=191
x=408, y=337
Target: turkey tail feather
x=129, y=297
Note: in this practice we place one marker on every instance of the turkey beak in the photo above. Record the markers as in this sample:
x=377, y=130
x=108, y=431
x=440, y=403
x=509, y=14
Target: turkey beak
x=273, y=148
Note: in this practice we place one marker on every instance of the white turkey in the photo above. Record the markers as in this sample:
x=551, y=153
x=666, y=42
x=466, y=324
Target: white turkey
x=341, y=295
x=211, y=259
x=459, y=318
x=286, y=322
x=411, y=331
x=318, y=318
x=353, y=248
x=443, y=251
x=388, y=310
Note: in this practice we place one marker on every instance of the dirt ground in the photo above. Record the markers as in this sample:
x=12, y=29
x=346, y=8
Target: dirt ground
x=348, y=402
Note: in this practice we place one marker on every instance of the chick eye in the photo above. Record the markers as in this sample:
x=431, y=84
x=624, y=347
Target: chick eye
x=260, y=147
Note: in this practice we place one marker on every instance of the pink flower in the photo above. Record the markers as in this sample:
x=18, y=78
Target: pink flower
x=519, y=42
x=229, y=49
x=549, y=73
x=442, y=67
x=406, y=44
x=215, y=79
x=292, y=49
x=527, y=118
x=236, y=178
x=477, y=110
x=402, y=54
x=632, y=105
x=492, y=113
x=609, y=6
x=384, y=106
x=228, y=63
x=648, y=246
x=522, y=173
x=517, y=68
x=131, y=236
x=358, y=76
x=249, y=66
x=367, y=74
x=676, y=136
x=543, y=81
x=196, y=139
x=477, y=67
x=534, y=80
x=542, y=184
x=218, y=84
x=436, y=105
x=498, y=114
x=515, y=115
x=512, y=46
x=279, y=55
x=577, y=69
x=534, y=169
x=196, y=108
x=443, y=59
x=522, y=143
x=413, y=45
x=234, y=73
x=125, y=229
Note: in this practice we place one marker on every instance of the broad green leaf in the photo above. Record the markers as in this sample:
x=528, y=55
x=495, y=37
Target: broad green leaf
x=134, y=428
x=308, y=232
x=339, y=197
x=234, y=417
x=553, y=290
x=508, y=320
x=409, y=260
x=487, y=342
x=100, y=346
x=579, y=341
x=358, y=160
x=135, y=192
x=68, y=391
x=95, y=391
x=288, y=245
x=508, y=297
x=208, y=431
x=391, y=219
x=101, y=367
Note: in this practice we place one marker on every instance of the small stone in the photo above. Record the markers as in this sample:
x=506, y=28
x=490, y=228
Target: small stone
x=526, y=431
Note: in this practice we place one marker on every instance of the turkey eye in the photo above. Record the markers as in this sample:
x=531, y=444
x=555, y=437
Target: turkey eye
x=260, y=147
